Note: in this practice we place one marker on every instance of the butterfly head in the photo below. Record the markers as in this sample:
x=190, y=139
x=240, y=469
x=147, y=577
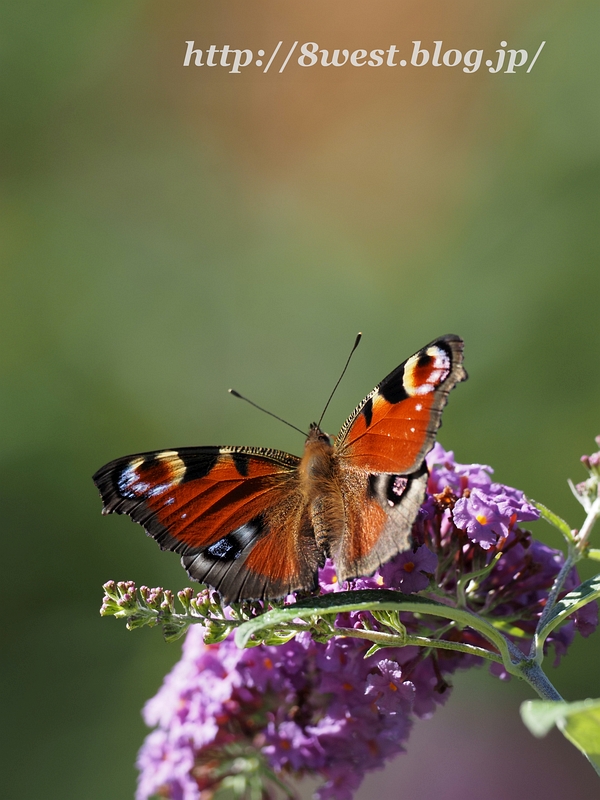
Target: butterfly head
x=315, y=434
x=318, y=459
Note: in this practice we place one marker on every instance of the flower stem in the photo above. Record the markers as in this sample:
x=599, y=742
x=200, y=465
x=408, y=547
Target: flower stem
x=572, y=558
x=590, y=521
x=531, y=672
x=390, y=640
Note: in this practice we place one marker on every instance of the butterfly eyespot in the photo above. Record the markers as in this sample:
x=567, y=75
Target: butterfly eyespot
x=390, y=488
x=395, y=487
x=230, y=547
x=225, y=549
x=424, y=372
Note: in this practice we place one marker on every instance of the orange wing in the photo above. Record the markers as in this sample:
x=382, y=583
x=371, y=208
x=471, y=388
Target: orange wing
x=381, y=452
x=380, y=511
x=394, y=427
x=235, y=514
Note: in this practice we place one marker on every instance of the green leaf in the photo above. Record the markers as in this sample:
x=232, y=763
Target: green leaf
x=586, y=592
x=579, y=722
x=370, y=600
x=373, y=649
x=471, y=577
x=391, y=620
x=554, y=520
x=510, y=629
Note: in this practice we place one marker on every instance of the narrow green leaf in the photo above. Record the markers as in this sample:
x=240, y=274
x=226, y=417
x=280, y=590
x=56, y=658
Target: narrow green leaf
x=172, y=633
x=471, y=577
x=593, y=553
x=372, y=650
x=554, y=520
x=586, y=592
x=510, y=629
x=391, y=620
x=579, y=722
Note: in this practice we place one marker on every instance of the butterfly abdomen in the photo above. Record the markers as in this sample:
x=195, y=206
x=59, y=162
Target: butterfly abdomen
x=319, y=480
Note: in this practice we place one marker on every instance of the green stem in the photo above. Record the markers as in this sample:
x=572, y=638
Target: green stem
x=525, y=668
x=390, y=640
x=381, y=600
x=573, y=556
x=531, y=672
x=590, y=521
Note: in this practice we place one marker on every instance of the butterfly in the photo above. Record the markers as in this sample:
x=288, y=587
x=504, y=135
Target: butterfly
x=257, y=523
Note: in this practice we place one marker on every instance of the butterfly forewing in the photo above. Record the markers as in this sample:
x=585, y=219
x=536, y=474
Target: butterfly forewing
x=394, y=427
x=235, y=514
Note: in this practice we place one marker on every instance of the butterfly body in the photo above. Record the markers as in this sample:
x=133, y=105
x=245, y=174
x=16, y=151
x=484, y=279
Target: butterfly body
x=258, y=523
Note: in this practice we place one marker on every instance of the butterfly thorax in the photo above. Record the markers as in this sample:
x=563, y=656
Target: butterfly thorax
x=318, y=460
x=319, y=480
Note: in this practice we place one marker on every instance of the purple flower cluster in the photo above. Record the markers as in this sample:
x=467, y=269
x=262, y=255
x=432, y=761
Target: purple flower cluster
x=481, y=512
x=302, y=707
x=323, y=709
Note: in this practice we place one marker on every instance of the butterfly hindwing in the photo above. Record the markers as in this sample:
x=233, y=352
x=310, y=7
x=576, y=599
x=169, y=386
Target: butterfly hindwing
x=236, y=515
x=380, y=512
x=394, y=427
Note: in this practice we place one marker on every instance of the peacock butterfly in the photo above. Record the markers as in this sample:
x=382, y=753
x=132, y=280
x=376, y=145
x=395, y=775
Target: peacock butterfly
x=256, y=523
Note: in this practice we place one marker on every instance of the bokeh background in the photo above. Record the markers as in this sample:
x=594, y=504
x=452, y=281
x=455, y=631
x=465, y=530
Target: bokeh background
x=167, y=233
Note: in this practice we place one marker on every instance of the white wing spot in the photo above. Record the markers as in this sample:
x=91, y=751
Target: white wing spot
x=132, y=485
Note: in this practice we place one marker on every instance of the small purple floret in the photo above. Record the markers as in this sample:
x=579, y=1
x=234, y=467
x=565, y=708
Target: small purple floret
x=410, y=570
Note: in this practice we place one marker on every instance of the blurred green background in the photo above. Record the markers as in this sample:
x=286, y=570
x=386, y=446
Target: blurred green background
x=167, y=233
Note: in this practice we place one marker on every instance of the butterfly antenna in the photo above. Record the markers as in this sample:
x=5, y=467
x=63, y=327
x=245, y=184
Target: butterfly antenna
x=270, y=413
x=356, y=343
